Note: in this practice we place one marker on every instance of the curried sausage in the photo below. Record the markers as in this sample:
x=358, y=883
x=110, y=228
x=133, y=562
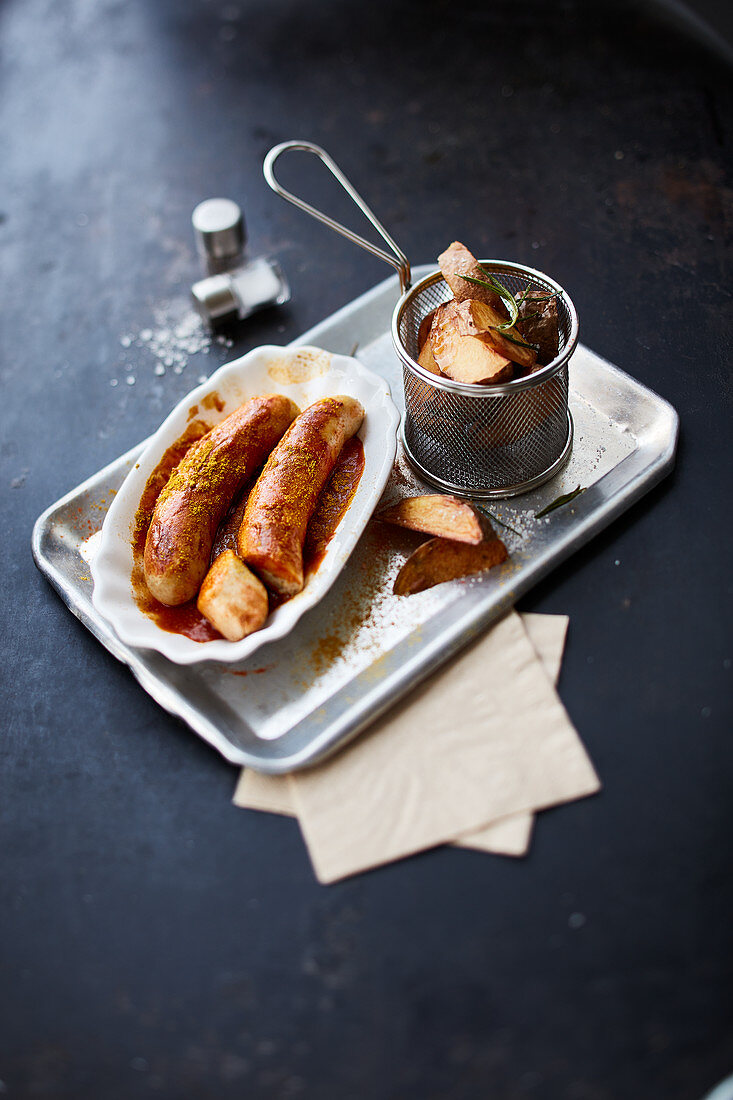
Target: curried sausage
x=200, y=490
x=284, y=497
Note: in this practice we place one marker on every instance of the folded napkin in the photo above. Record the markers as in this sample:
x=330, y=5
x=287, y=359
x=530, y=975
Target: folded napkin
x=511, y=836
x=272, y=793
x=468, y=756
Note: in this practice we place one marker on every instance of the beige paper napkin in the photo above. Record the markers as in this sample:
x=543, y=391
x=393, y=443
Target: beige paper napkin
x=466, y=749
x=511, y=836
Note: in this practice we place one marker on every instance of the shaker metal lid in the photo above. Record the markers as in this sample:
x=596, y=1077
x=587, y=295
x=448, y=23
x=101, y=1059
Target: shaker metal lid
x=219, y=228
x=216, y=299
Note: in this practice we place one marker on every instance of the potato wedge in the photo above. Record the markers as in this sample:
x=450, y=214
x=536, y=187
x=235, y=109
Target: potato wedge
x=426, y=358
x=457, y=261
x=465, y=358
x=424, y=331
x=476, y=318
x=541, y=326
x=435, y=514
x=232, y=598
x=439, y=560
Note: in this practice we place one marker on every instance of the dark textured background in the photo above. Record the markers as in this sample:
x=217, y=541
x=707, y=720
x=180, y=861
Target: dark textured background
x=155, y=940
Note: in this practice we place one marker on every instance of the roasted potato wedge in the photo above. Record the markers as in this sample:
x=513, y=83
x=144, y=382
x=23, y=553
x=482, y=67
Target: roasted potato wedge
x=457, y=261
x=426, y=358
x=435, y=514
x=476, y=318
x=232, y=598
x=439, y=560
x=465, y=358
x=424, y=331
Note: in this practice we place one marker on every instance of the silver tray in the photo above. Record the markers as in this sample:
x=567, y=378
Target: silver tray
x=361, y=648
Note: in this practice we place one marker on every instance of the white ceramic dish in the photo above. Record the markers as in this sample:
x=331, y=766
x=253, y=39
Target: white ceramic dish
x=305, y=374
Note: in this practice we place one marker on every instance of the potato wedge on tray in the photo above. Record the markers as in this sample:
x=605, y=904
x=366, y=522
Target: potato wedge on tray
x=464, y=542
x=434, y=514
x=439, y=560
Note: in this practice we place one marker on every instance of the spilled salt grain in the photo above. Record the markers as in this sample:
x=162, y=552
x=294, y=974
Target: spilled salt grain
x=178, y=333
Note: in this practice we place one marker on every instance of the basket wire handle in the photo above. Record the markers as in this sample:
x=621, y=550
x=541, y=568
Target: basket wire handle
x=398, y=260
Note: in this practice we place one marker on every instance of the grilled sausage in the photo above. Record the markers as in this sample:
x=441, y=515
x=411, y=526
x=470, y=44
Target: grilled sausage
x=284, y=498
x=201, y=488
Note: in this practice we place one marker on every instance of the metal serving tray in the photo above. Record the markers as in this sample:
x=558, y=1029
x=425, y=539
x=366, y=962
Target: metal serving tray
x=361, y=648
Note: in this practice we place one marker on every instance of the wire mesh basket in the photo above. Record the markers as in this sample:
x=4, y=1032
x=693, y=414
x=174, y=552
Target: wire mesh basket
x=485, y=440
x=475, y=440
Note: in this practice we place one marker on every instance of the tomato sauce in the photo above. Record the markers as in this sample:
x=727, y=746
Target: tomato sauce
x=333, y=502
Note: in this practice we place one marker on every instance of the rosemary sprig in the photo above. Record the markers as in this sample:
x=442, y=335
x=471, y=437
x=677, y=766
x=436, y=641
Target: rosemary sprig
x=519, y=343
x=559, y=502
x=496, y=519
x=513, y=301
x=498, y=288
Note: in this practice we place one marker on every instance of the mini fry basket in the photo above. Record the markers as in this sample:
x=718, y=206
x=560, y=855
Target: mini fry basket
x=476, y=441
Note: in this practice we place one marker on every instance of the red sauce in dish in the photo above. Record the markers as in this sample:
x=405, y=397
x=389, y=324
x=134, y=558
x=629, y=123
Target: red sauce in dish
x=184, y=619
x=335, y=498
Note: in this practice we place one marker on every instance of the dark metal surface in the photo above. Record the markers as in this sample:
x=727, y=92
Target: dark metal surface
x=153, y=939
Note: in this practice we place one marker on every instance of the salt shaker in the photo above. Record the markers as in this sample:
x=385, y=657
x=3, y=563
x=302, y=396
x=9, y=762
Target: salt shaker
x=235, y=287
